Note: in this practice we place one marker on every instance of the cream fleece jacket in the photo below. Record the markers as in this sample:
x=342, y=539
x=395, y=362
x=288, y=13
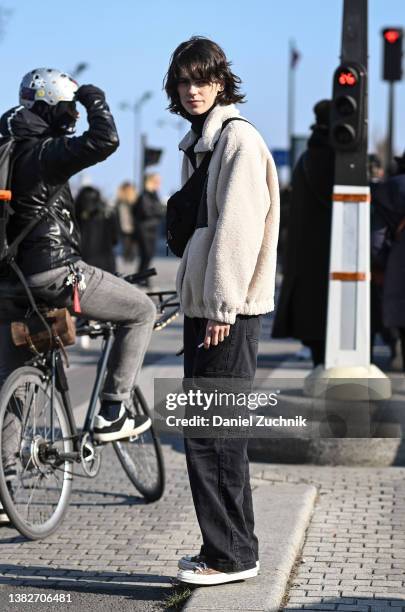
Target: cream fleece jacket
x=229, y=267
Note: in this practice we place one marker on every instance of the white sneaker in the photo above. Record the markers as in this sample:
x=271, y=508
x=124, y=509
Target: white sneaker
x=4, y=520
x=124, y=427
x=188, y=562
x=206, y=576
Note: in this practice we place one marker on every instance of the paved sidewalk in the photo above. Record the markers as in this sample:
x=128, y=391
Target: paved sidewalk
x=353, y=557
x=115, y=551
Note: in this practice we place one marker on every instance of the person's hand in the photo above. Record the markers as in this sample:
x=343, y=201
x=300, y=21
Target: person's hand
x=215, y=332
x=86, y=94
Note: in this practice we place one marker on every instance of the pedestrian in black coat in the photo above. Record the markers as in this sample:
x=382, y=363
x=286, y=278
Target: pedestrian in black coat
x=388, y=246
x=389, y=335
x=98, y=228
x=148, y=213
x=124, y=205
x=302, y=305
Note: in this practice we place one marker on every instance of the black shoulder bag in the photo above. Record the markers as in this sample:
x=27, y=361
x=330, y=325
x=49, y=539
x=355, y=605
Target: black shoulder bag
x=183, y=206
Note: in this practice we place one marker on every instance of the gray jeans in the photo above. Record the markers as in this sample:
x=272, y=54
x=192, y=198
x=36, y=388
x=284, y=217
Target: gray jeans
x=105, y=298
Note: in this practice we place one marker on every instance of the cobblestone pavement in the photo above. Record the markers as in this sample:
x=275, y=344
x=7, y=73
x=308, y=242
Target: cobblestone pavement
x=112, y=543
x=110, y=539
x=353, y=558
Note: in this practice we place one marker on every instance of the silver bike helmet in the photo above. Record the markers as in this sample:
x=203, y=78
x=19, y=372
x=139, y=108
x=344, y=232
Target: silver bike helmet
x=47, y=84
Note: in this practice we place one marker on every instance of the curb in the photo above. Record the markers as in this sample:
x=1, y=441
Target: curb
x=282, y=513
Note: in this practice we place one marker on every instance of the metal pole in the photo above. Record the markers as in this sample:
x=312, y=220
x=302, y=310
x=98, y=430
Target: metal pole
x=390, y=134
x=142, y=165
x=137, y=135
x=348, y=329
x=141, y=148
x=348, y=319
x=290, y=102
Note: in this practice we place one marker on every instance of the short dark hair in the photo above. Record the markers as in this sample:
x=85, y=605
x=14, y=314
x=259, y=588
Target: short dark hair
x=201, y=58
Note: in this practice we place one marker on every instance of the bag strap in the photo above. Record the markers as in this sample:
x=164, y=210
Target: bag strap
x=224, y=125
x=18, y=150
x=12, y=249
x=203, y=167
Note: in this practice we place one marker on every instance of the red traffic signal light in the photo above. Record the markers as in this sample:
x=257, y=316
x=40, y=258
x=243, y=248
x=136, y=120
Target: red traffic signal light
x=392, y=60
x=392, y=36
x=347, y=108
x=347, y=78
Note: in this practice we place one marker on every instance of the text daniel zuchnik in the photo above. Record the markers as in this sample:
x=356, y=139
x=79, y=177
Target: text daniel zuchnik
x=252, y=420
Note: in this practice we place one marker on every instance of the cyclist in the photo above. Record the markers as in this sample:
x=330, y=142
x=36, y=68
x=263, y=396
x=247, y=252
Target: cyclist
x=45, y=158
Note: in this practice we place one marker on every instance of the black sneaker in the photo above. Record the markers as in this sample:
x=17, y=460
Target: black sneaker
x=189, y=562
x=124, y=427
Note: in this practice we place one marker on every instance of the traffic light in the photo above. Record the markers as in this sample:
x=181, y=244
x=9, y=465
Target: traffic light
x=348, y=112
x=151, y=156
x=392, y=64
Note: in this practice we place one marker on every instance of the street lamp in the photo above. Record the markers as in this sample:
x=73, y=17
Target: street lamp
x=81, y=67
x=136, y=108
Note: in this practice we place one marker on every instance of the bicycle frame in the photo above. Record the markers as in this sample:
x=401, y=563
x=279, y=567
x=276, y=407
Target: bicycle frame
x=54, y=363
x=106, y=330
x=101, y=370
x=59, y=381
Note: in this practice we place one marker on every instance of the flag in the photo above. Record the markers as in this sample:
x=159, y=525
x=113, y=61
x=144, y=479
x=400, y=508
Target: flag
x=295, y=57
x=151, y=156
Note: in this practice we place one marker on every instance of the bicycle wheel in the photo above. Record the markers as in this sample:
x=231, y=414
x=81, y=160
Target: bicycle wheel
x=141, y=456
x=34, y=487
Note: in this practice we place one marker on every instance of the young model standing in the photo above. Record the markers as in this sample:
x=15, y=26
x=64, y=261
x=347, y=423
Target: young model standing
x=225, y=282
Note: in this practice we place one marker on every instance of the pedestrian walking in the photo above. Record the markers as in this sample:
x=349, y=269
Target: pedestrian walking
x=225, y=282
x=98, y=229
x=124, y=204
x=388, y=247
x=302, y=306
x=148, y=213
x=389, y=336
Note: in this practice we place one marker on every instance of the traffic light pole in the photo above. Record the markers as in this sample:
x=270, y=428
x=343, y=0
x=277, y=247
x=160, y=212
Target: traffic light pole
x=290, y=104
x=348, y=318
x=390, y=131
x=392, y=72
x=142, y=163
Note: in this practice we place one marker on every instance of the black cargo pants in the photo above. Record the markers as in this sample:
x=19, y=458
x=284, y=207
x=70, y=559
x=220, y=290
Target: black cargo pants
x=218, y=467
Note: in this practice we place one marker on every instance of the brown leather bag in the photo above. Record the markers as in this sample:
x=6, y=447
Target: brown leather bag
x=31, y=333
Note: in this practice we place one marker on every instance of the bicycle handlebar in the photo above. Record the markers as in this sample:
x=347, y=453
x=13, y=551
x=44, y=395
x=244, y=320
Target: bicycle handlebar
x=134, y=278
x=98, y=328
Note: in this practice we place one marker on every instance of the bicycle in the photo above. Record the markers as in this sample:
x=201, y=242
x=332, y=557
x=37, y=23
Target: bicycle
x=40, y=442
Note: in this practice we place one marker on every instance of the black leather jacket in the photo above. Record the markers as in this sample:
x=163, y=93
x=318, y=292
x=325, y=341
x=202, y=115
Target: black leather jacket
x=44, y=163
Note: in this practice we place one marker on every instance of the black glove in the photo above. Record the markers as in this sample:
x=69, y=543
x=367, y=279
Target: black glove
x=86, y=94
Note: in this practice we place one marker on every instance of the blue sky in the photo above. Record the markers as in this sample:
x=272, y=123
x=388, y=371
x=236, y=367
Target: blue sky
x=127, y=44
